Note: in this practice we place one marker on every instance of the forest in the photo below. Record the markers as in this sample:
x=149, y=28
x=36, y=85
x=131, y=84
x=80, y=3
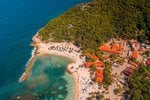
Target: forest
x=90, y=24
x=139, y=84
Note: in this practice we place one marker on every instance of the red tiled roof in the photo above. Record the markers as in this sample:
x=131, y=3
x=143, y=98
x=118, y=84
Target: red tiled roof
x=99, y=75
x=92, y=56
x=134, y=64
x=128, y=71
x=135, y=54
x=148, y=62
x=99, y=64
x=88, y=64
x=99, y=72
x=99, y=79
x=115, y=49
x=106, y=56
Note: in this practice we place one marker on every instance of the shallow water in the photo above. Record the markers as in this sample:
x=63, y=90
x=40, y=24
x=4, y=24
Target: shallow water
x=48, y=80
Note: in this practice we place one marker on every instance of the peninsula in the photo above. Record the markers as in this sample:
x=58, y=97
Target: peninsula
x=109, y=43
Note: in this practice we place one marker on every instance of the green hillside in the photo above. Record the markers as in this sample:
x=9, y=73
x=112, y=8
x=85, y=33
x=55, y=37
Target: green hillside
x=93, y=23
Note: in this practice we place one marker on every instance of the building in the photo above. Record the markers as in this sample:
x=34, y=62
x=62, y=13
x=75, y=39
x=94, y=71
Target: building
x=88, y=64
x=148, y=62
x=135, y=54
x=134, y=64
x=99, y=75
x=96, y=63
x=116, y=49
x=92, y=56
x=128, y=71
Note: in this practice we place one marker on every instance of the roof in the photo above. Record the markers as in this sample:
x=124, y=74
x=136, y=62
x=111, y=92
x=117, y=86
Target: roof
x=88, y=64
x=99, y=75
x=115, y=49
x=106, y=56
x=99, y=64
x=134, y=64
x=135, y=54
x=92, y=56
x=148, y=62
x=99, y=79
x=128, y=71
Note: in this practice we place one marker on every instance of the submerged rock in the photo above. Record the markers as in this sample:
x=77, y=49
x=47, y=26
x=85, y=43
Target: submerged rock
x=22, y=97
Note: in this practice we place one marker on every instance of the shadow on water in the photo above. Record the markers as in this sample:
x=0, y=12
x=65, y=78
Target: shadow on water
x=46, y=82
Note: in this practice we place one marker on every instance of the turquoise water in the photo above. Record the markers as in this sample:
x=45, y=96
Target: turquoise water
x=48, y=80
x=19, y=21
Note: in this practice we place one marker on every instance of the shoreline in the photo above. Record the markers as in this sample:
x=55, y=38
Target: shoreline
x=41, y=49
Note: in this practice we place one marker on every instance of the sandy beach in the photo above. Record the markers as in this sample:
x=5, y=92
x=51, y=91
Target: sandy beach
x=62, y=49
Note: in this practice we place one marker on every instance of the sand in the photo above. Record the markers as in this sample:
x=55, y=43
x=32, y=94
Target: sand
x=71, y=51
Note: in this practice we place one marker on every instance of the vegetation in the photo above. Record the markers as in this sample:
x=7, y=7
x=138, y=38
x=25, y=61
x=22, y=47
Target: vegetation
x=113, y=57
x=139, y=84
x=90, y=24
x=147, y=53
x=121, y=61
x=118, y=90
x=93, y=68
x=107, y=74
x=97, y=96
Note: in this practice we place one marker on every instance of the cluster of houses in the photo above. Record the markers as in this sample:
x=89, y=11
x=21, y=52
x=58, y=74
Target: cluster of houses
x=117, y=48
x=99, y=67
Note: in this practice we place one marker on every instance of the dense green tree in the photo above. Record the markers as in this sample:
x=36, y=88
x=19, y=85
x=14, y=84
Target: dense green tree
x=139, y=84
x=99, y=21
x=108, y=79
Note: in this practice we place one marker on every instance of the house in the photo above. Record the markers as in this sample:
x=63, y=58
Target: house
x=88, y=64
x=135, y=54
x=98, y=64
x=128, y=71
x=116, y=49
x=92, y=56
x=99, y=75
x=106, y=56
x=134, y=64
x=148, y=62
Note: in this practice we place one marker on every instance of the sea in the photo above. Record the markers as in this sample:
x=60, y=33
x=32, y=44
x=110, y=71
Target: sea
x=19, y=22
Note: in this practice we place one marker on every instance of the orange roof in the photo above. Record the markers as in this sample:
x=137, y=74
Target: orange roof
x=87, y=54
x=88, y=64
x=104, y=47
x=99, y=79
x=99, y=75
x=92, y=56
x=134, y=64
x=115, y=49
x=148, y=62
x=99, y=64
x=135, y=54
x=128, y=71
x=106, y=56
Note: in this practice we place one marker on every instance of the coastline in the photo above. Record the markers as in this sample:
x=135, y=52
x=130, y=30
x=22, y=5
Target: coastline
x=41, y=49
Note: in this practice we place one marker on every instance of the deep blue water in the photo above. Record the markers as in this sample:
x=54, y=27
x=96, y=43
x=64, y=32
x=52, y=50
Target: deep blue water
x=19, y=21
